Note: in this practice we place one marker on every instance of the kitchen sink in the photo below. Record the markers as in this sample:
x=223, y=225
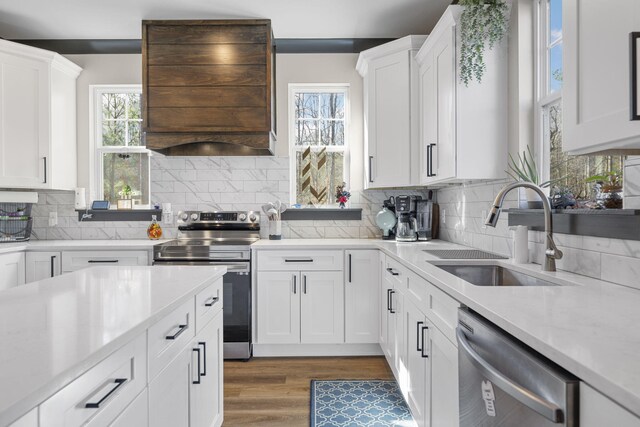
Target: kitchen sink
x=493, y=275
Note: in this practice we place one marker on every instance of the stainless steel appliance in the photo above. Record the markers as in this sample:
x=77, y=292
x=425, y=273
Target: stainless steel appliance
x=407, y=225
x=424, y=219
x=504, y=383
x=220, y=238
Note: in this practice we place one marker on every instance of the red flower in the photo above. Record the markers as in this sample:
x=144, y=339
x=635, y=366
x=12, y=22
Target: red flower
x=343, y=199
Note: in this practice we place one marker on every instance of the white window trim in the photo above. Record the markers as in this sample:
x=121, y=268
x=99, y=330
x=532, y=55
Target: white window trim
x=95, y=139
x=541, y=84
x=326, y=88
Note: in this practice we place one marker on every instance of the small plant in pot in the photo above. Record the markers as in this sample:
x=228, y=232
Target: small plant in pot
x=524, y=169
x=483, y=23
x=608, y=188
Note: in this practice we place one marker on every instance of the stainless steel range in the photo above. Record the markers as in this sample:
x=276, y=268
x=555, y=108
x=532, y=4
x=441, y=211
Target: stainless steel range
x=220, y=238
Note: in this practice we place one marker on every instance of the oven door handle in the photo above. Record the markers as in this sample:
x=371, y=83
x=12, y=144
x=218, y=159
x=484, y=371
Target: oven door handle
x=527, y=397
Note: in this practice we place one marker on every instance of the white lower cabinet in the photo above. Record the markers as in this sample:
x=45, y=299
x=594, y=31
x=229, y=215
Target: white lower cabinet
x=300, y=307
x=597, y=410
x=136, y=414
x=442, y=400
x=417, y=359
x=42, y=265
x=12, y=270
x=361, y=289
x=76, y=260
x=169, y=392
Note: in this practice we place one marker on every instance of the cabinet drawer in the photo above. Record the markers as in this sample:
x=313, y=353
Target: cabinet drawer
x=396, y=273
x=76, y=260
x=417, y=290
x=300, y=260
x=169, y=336
x=102, y=393
x=208, y=304
x=442, y=310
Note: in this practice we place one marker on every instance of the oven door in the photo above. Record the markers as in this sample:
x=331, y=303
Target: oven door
x=236, y=302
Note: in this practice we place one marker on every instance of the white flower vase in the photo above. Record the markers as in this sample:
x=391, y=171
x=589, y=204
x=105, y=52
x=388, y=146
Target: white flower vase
x=275, y=230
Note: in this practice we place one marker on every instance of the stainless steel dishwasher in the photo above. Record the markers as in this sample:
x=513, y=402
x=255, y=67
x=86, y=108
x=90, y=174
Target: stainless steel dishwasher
x=502, y=382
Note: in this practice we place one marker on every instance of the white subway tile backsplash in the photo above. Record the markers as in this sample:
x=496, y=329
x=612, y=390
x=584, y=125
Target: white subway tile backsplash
x=620, y=269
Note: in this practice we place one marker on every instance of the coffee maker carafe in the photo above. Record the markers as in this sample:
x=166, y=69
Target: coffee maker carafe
x=407, y=225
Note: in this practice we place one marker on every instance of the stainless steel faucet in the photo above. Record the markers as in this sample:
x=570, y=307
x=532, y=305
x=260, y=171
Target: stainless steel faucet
x=552, y=253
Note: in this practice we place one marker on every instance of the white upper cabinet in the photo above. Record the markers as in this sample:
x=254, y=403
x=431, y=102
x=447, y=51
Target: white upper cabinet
x=391, y=113
x=463, y=129
x=37, y=118
x=596, y=82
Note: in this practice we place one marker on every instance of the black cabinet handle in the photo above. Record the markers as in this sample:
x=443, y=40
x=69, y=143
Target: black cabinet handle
x=204, y=357
x=45, y=170
x=181, y=329
x=370, y=168
x=419, y=337
x=304, y=283
x=430, y=159
x=211, y=301
x=103, y=261
x=53, y=269
x=391, y=301
x=295, y=280
x=299, y=260
x=349, y=268
x=118, y=383
x=423, y=328
x=393, y=273
x=197, y=350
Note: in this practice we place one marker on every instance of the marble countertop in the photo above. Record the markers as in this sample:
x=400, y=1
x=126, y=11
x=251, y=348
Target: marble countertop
x=587, y=326
x=55, y=329
x=56, y=245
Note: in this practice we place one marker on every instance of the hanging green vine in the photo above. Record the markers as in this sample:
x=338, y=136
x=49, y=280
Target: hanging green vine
x=483, y=24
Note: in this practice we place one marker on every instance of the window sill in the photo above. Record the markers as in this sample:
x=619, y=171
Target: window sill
x=119, y=215
x=608, y=223
x=322, y=214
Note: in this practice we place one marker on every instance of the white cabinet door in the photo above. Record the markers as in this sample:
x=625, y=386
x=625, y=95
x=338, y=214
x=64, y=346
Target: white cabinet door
x=428, y=117
x=444, y=379
x=12, y=270
x=169, y=392
x=24, y=118
x=396, y=336
x=389, y=126
x=42, y=265
x=136, y=414
x=206, y=391
x=362, y=284
x=596, y=84
x=322, y=307
x=417, y=384
x=385, y=316
x=597, y=410
x=278, y=306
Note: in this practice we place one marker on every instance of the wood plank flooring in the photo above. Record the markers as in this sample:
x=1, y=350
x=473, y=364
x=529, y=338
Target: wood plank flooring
x=275, y=391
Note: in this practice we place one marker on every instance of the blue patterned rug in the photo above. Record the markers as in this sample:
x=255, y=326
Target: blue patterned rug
x=342, y=403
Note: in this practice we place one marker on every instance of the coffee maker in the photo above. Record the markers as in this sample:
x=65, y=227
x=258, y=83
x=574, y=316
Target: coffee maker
x=424, y=219
x=407, y=227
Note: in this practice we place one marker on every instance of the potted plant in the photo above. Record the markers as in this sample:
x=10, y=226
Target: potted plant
x=525, y=169
x=342, y=195
x=483, y=24
x=608, y=189
x=125, y=202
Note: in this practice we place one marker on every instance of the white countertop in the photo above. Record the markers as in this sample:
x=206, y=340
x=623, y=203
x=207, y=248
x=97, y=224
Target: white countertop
x=56, y=245
x=55, y=329
x=589, y=327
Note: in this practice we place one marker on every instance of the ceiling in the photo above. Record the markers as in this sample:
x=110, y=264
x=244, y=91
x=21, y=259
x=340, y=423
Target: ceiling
x=120, y=19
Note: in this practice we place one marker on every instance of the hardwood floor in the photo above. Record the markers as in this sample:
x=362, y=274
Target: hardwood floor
x=275, y=391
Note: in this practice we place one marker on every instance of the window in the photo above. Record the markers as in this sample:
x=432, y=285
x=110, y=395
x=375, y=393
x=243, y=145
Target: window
x=120, y=157
x=568, y=173
x=319, y=119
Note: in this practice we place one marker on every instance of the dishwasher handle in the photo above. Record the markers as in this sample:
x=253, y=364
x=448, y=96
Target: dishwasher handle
x=527, y=397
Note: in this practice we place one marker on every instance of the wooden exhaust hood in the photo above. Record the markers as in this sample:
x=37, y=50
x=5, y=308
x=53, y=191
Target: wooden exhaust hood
x=208, y=87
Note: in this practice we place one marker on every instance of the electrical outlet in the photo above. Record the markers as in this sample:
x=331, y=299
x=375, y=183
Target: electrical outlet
x=444, y=216
x=483, y=216
x=53, y=219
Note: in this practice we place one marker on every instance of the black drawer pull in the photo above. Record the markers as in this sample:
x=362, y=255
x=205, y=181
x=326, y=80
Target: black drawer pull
x=393, y=273
x=422, y=353
x=197, y=350
x=103, y=261
x=211, y=301
x=118, y=382
x=391, y=310
x=299, y=260
x=419, y=337
x=204, y=357
x=181, y=329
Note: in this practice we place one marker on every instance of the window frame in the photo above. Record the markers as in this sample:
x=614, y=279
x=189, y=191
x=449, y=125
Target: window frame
x=96, y=171
x=294, y=88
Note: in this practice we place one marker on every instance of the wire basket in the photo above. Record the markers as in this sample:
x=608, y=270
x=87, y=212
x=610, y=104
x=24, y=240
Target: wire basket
x=15, y=222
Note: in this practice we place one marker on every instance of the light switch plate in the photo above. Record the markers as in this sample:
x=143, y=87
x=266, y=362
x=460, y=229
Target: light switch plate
x=53, y=219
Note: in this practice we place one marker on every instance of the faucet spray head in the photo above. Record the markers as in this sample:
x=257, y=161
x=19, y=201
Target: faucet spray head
x=492, y=218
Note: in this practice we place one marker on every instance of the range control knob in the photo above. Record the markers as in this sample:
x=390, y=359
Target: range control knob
x=253, y=218
x=242, y=216
x=194, y=216
x=184, y=216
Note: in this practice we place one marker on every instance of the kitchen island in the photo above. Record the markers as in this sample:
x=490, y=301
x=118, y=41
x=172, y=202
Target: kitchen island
x=91, y=344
